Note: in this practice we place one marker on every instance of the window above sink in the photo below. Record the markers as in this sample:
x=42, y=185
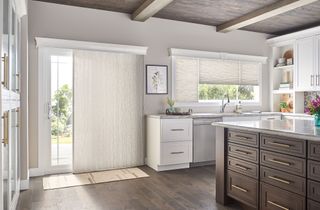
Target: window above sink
x=204, y=80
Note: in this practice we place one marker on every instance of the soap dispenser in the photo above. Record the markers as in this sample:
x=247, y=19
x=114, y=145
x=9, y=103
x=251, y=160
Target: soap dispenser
x=239, y=107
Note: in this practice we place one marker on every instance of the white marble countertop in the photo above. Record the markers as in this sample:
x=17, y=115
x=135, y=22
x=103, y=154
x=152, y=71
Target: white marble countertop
x=214, y=115
x=295, y=128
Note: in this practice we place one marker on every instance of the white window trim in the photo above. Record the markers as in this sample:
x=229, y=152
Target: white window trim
x=82, y=45
x=216, y=55
x=203, y=54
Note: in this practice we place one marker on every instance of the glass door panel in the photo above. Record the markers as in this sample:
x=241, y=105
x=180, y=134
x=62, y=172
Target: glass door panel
x=61, y=110
x=5, y=116
x=5, y=159
x=13, y=152
x=5, y=45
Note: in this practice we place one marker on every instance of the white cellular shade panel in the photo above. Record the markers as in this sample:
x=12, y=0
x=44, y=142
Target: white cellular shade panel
x=186, y=79
x=249, y=73
x=108, y=111
x=213, y=71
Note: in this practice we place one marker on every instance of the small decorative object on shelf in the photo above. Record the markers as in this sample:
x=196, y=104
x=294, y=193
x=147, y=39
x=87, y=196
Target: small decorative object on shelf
x=313, y=108
x=283, y=106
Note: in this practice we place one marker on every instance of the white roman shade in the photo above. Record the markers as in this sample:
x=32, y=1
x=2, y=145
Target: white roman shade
x=218, y=72
x=186, y=79
x=249, y=73
x=190, y=71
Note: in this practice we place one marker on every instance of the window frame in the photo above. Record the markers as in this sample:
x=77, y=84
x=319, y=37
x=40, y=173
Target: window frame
x=212, y=103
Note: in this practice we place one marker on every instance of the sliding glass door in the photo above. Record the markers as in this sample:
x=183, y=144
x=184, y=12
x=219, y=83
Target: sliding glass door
x=58, y=71
x=61, y=110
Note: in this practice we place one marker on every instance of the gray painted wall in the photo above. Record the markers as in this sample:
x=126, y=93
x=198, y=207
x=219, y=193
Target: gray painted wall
x=75, y=23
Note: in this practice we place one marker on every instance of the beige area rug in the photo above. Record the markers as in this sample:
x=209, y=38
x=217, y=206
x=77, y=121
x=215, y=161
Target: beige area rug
x=72, y=180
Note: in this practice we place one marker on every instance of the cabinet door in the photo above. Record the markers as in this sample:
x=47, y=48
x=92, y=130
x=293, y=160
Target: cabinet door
x=305, y=75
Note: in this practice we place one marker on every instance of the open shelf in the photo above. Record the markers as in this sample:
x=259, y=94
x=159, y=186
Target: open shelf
x=287, y=67
x=283, y=91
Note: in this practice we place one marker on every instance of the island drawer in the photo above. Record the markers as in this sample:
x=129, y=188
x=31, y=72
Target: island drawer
x=314, y=170
x=314, y=150
x=282, y=162
x=242, y=188
x=312, y=205
x=276, y=198
x=283, y=180
x=287, y=146
x=243, y=152
x=241, y=137
x=314, y=190
x=243, y=167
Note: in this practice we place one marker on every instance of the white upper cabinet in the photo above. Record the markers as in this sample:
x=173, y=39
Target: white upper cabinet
x=307, y=78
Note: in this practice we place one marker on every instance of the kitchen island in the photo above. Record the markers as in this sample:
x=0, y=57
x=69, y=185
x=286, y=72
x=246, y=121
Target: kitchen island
x=268, y=164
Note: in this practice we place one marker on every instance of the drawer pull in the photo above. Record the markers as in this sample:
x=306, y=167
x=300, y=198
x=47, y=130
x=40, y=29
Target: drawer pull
x=280, y=162
x=277, y=205
x=177, y=129
x=242, y=137
x=176, y=153
x=242, y=167
x=280, y=144
x=239, y=188
x=279, y=180
x=243, y=152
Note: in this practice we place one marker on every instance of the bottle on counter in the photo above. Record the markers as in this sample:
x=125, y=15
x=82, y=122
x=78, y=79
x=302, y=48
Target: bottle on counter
x=239, y=107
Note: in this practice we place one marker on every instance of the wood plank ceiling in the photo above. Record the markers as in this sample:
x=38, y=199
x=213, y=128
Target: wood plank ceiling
x=216, y=12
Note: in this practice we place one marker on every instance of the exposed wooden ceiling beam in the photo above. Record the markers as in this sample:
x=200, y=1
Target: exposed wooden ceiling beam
x=149, y=8
x=262, y=14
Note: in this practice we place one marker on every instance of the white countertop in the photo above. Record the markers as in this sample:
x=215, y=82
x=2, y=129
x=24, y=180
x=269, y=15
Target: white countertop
x=214, y=115
x=295, y=128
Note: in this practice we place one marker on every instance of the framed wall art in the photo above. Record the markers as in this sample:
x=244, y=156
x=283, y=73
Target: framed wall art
x=156, y=79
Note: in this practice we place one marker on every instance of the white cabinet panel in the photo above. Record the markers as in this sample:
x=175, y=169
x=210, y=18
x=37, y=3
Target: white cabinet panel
x=175, y=152
x=305, y=75
x=176, y=129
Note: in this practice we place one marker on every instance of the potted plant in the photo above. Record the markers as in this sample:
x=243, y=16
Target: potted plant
x=170, y=103
x=283, y=106
x=313, y=108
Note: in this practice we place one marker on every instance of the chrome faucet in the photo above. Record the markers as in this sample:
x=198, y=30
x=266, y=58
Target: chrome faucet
x=223, y=106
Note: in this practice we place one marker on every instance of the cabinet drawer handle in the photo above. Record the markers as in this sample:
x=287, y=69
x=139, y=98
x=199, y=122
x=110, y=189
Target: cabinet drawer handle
x=175, y=153
x=242, y=137
x=243, y=152
x=5, y=118
x=5, y=60
x=312, y=78
x=177, y=129
x=277, y=205
x=279, y=180
x=239, y=188
x=317, y=79
x=279, y=162
x=280, y=144
x=241, y=167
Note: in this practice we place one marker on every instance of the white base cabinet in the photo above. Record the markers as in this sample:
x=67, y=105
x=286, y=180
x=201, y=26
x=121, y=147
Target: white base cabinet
x=169, y=143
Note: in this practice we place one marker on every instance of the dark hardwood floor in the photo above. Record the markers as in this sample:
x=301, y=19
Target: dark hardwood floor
x=180, y=189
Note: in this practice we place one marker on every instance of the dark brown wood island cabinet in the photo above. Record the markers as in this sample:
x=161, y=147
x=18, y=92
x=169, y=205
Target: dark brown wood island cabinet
x=267, y=171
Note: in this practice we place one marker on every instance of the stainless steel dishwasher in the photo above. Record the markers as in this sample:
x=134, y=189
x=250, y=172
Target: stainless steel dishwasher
x=204, y=140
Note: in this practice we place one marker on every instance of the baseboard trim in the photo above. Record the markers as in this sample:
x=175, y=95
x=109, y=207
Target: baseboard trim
x=24, y=184
x=34, y=172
